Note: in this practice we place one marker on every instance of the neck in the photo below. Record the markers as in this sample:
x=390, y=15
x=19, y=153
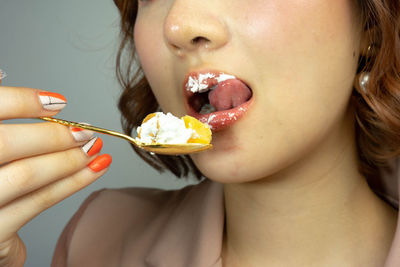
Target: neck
x=312, y=210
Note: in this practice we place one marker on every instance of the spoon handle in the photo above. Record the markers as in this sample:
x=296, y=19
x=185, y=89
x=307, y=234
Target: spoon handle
x=91, y=128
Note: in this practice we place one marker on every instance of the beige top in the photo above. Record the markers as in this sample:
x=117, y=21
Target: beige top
x=159, y=228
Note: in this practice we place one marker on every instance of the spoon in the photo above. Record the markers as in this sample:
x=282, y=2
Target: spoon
x=166, y=149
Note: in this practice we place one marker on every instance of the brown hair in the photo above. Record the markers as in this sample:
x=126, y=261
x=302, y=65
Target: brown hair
x=377, y=109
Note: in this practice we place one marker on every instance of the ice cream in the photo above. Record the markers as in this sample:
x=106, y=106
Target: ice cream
x=160, y=128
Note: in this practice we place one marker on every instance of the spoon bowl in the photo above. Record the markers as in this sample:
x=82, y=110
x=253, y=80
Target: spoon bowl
x=165, y=149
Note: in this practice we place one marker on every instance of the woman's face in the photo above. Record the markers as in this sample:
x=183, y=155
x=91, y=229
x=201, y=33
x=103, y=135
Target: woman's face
x=299, y=58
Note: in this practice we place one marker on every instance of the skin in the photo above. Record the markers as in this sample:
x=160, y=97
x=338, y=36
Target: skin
x=40, y=165
x=289, y=166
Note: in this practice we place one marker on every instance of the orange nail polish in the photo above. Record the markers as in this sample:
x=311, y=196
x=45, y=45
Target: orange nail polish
x=75, y=129
x=93, y=146
x=56, y=95
x=52, y=101
x=80, y=134
x=100, y=163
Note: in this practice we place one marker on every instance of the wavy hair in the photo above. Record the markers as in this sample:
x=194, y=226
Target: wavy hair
x=377, y=110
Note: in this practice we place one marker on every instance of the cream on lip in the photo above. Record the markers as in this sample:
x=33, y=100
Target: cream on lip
x=203, y=80
x=199, y=84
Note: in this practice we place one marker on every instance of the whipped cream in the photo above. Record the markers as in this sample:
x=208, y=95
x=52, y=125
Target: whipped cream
x=199, y=84
x=164, y=129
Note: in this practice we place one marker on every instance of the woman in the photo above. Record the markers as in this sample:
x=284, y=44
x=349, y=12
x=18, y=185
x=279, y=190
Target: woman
x=305, y=131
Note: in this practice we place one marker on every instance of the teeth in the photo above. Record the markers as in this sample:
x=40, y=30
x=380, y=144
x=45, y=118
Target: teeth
x=206, y=109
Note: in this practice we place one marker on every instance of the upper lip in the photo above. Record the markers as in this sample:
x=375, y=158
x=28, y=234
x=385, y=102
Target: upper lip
x=195, y=74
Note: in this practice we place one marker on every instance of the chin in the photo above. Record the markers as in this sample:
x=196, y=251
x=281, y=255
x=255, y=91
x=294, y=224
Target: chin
x=229, y=169
x=234, y=160
x=227, y=162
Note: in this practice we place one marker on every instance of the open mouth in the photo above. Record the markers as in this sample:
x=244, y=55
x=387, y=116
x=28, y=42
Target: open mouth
x=216, y=98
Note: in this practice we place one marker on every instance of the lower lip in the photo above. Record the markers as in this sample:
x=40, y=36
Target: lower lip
x=219, y=120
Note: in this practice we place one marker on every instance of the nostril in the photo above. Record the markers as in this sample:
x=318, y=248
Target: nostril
x=199, y=40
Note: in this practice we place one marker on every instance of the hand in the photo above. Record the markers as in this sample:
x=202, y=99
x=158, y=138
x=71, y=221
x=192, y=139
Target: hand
x=40, y=164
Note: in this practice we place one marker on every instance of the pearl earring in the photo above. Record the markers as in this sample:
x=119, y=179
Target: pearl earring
x=363, y=80
x=364, y=76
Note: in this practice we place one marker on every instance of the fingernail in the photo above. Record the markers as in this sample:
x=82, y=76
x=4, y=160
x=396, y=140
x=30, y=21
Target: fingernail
x=2, y=74
x=52, y=101
x=80, y=134
x=100, y=163
x=93, y=146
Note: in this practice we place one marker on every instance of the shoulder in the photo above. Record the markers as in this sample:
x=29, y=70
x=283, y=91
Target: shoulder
x=110, y=217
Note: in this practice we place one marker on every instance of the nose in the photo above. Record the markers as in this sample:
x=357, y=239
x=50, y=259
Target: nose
x=191, y=25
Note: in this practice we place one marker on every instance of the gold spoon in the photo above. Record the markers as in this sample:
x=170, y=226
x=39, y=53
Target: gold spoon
x=166, y=149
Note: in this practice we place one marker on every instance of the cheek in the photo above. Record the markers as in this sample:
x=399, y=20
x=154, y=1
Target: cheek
x=146, y=46
x=304, y=50
x=302, y=26
x=302, y=63
x=153, y=61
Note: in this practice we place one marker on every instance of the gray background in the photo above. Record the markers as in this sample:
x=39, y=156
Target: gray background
x=69, y=47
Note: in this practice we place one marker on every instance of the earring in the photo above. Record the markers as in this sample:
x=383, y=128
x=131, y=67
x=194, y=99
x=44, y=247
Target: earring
x=369, y=49
x=364, y=76
x=363, y=81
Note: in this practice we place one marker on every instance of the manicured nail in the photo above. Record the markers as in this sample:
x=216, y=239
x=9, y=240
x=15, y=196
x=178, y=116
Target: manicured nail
x=2, y=74
x=93, y=146
x=52, y=101
x=80, y=134
x=100, y=163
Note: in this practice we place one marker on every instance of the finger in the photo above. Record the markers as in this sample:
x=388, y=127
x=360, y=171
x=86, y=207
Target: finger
x=19, y=212
x=26, y=175
x=12, y=251
x=25, y=140
x=20, y=102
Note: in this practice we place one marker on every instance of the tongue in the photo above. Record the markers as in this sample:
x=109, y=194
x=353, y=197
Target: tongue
x=229, y=94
